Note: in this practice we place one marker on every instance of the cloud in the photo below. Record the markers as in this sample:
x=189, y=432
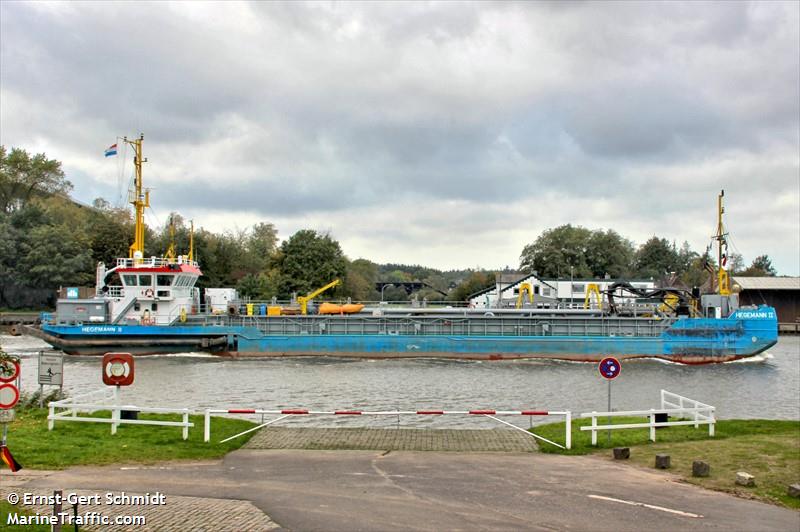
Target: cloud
x=447, y=134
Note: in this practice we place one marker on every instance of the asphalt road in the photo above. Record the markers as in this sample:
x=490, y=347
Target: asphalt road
x=376, y=491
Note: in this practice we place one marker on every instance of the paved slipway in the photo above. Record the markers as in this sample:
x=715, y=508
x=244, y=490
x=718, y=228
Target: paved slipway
x=374, y=490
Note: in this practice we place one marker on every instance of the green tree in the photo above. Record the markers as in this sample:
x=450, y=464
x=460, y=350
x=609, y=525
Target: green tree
x=261, y=243
x=359, y=283
x=608, y=253
x=309, y=260
x=58, y=255
x=656, y=258
x=111, y=232
x=475, y=282
x=23, y=176
x=557, y=252
x=761, y=267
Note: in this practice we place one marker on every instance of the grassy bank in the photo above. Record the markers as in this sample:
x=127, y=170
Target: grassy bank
x=71, y=443
x=767, y=449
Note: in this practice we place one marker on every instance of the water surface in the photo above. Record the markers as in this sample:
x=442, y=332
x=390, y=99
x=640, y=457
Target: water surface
x=763, y=387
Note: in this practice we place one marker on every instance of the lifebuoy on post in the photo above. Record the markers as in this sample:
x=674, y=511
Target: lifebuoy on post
x=118, y=369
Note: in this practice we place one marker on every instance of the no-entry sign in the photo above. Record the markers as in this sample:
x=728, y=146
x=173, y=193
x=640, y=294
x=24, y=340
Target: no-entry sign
x=609, y=368
x=9, y=395
x=9, y=370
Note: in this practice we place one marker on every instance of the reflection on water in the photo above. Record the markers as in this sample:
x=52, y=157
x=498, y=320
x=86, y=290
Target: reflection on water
x=764, y=387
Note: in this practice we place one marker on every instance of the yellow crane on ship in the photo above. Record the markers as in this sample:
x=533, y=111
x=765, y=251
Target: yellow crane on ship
x=303, y=300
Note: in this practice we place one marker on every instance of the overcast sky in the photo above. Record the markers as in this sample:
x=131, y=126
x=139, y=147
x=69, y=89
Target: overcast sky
x=443, y=134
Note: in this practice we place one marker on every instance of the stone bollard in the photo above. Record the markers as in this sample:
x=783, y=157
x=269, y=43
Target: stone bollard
x=662, y=461
x=794, y=490
x=622, y=453
x=700, y=468
x=745, y=479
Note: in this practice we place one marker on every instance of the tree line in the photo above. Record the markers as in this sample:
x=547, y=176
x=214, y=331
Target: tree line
x=47, y=241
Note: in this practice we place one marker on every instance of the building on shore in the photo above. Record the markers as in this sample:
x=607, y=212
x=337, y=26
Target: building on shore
x=782, y=293
x=547, y=293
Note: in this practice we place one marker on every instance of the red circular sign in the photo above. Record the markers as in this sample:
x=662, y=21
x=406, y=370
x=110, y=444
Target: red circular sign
x=9, y=395
x=9, y=370
x=609, y=368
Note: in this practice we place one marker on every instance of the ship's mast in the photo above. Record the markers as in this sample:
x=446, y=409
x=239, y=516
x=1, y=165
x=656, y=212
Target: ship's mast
x=140, y=199
x=723, y=280
x=191, y=242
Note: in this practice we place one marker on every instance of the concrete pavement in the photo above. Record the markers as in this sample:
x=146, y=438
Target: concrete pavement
x=380, y=490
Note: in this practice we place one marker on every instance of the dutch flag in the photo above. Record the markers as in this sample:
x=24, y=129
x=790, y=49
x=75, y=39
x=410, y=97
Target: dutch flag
x=111, y=150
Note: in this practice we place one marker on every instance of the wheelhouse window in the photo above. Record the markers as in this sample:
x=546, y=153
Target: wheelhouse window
x=130, y=280
x=145, y=280
x=164, y=280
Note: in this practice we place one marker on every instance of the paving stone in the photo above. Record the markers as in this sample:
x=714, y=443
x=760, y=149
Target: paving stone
x=177, y=514
x=460, y=440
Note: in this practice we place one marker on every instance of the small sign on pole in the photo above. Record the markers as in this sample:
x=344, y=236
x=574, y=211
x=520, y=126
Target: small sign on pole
x=51, y=369
x=609, y=369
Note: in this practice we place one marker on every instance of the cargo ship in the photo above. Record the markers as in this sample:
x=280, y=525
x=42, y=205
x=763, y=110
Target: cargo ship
x=156, y=309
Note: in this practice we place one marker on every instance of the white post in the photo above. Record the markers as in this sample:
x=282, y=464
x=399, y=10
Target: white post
x=50, y=421
x=115, y=411
x=569, y=430
x=186, y=425
x=207, y=427
x=711, y=422
x=594, y=427
x=652, y=425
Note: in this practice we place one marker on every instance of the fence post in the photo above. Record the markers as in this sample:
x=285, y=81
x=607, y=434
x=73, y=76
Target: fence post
x=711, y=422
x=207, y=426
x=569, y=429
x=594, y=427
x=652, y=425
x=186, y=425
x=50, y=421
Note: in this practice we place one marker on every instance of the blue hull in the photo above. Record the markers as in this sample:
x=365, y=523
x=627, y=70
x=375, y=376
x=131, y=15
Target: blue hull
x=689, y=340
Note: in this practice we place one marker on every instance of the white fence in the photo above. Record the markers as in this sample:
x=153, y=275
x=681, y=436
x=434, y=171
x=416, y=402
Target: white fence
x=491, y=414
x=672, y=404
x=108, y=399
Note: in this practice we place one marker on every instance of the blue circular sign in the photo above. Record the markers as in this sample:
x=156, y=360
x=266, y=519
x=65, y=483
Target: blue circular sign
x=609, y=368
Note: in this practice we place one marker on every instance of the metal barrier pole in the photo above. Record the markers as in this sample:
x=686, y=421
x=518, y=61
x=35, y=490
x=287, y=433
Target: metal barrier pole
x=255, y=428
x=50, y=421
x=594, y=427
x=207, y=426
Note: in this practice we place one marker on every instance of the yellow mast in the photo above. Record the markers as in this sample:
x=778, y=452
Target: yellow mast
x=170, y=254
x=723, y=280
x=191, y=242
x=140, y=199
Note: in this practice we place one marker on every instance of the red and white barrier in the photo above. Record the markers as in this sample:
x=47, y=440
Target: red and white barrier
x=286, y=412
